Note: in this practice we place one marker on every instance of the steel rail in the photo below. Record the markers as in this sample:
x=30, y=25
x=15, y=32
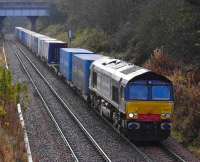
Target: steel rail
x=172, y=154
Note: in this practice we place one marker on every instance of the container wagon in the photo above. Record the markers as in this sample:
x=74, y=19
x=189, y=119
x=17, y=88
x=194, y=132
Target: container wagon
x=66, y=59
x=51, y=51
x=81, y=72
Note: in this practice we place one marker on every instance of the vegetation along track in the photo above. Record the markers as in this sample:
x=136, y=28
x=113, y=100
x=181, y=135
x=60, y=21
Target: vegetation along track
x=160, y=153
x=82, y=145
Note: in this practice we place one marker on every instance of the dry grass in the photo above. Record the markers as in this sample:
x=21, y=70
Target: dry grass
x=187, y=94
x=12, y=147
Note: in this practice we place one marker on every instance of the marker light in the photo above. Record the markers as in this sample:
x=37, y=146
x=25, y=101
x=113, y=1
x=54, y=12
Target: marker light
x=133, y=115
x=166, y=116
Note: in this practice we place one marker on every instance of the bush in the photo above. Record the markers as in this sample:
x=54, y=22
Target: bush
x=187, y=105
x=56, y=31
x=12, y=146
x=161, y=63
x=2, y=112
x=92, y=39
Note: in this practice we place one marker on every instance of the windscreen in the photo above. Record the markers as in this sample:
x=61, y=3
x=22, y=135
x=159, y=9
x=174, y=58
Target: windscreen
x=161, y=92
x=138, y=92
x=149, y=92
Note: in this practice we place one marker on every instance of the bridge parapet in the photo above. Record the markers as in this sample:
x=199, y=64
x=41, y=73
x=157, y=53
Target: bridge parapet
x=24, y=5
x=24, y=9
x=32, y=10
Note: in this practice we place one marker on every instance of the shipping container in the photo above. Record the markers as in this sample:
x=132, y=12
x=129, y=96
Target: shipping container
x=81, y=71
x=51, y=50
x=65, y=66
x=41, y=41
x=35, y=42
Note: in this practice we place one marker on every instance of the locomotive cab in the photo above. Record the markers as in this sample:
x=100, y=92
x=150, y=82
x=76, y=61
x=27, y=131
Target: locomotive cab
x=149, y=103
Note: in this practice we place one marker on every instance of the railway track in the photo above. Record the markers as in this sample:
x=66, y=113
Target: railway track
x=174, y=155
x=159, y=152
x=148, y=156
x=89, y=150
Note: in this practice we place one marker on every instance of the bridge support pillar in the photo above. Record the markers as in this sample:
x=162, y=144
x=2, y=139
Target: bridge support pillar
x=33, y=20
x=1, y=22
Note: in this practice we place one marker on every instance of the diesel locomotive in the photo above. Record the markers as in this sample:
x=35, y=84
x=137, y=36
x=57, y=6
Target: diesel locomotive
x=137, y=101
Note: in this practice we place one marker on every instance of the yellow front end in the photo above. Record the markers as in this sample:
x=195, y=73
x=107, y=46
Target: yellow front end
x=149, y=120
x=163, y=109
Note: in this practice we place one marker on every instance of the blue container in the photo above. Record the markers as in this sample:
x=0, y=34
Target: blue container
x=81, y=71
x=66, y=59
x=52, y=51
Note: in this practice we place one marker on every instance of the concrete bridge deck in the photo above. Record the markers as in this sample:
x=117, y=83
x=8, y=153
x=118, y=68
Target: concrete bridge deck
x=29, y=9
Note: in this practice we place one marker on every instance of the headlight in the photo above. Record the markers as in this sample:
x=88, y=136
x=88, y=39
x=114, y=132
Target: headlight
x=130, y=115
x=166, y=116
x=133, y=115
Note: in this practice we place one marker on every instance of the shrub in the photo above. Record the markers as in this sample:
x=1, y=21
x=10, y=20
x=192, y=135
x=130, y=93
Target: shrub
x=187, y=94
x=92, y=39
x=56, y=31
x=11, y=133
x=2, y=112
x=161, y=63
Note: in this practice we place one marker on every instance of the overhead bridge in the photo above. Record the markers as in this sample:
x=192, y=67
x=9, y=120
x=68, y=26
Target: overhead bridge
x=32, y=10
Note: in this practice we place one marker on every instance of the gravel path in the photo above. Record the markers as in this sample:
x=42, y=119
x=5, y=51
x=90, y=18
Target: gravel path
x=45, y=143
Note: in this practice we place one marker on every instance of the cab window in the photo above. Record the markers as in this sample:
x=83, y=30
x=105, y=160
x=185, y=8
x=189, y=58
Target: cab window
x=161, y=93
x=138, y=92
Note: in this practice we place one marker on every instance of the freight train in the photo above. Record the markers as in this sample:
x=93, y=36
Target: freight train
x=137, y=101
